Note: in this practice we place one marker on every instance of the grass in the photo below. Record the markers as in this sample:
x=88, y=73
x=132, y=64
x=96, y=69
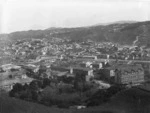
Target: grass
x=12, y=105
x=132, y=100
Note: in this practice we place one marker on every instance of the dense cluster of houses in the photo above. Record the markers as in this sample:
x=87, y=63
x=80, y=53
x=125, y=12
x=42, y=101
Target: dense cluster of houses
x=95, y=60
x=88, y=67
x=11, y=74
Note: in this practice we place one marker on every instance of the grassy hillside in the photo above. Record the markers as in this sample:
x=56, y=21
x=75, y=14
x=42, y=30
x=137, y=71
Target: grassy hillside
x=12, y=105
x=129, y=101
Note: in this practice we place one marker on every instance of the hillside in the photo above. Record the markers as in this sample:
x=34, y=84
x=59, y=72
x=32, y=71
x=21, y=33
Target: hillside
x=12, y=105
x=121, y=32
x=133, y=100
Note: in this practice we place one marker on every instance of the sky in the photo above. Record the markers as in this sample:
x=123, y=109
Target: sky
x=19, y=15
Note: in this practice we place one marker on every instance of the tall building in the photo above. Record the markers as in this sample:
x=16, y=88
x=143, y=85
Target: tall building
x=123, y=74
x=129, y=74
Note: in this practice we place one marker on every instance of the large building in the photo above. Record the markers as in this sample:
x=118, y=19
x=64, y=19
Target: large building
x=87, y=72
x=75, y=70
x=129, y=74
x=123, y=74
x=146, y=67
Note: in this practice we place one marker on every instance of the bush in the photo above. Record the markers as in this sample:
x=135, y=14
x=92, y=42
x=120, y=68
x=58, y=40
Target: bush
x=17, y=87
x=114, y=89
x=53, y=97
x=63, y=105
x=46, y=82
x=24, y=95
x=33, y=85
x=103, y=95
x=65, y=88
x=34, y=95
x=12, y=93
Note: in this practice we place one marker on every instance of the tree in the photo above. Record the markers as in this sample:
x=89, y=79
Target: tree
x=68, y=80
x=25, y=86
x=12, y=93
x=15, y=91
x=114, y=89
x=33, y=85
x=24, y=94
x=46, y=82
x=42, y=69
x=40, y=83
x=17, y=87
x=30, y=72
x=79, y=82
x=34, y=95
x=10, y=76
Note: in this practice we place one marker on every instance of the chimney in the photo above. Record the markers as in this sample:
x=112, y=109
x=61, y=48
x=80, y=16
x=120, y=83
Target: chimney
x=71, y=70
x=91, y=66
x=95, y=58
x=108, y=57
x=100, y=65
x=105, y=62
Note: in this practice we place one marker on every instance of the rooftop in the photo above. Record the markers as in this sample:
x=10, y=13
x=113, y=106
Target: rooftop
x=13, y=81
x=125, y=67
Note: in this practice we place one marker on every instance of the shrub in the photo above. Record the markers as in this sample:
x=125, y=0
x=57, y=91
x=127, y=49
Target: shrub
x=17, y=87
x=53, y=97
x=65, y=88
x=12, y=93
x=33, y=85
x=46, y=82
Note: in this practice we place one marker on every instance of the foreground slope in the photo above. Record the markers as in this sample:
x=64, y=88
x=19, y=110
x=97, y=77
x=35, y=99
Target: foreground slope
x=12, y=105
x=133, y=100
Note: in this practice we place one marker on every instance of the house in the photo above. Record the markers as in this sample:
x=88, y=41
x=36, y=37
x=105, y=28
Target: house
x=7, y=84
x=98, y=65
x=60, y=68
x=95, y=65
x=74, y=70
x=11, y=72
x=88, y=72
x=87, y=57
x=86, y=64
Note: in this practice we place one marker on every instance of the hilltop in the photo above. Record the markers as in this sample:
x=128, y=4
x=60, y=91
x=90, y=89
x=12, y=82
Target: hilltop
x=122, y=32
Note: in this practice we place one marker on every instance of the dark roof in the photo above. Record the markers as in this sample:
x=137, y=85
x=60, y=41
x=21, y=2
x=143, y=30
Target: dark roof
x=82, y=68
x=125, y=67
x=78, y=67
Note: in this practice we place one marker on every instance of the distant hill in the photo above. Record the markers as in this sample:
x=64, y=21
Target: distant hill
x=117, y=22
x=122, y=32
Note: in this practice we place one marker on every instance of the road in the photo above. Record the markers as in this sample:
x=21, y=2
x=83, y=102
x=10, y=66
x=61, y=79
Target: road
x=101, y=60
